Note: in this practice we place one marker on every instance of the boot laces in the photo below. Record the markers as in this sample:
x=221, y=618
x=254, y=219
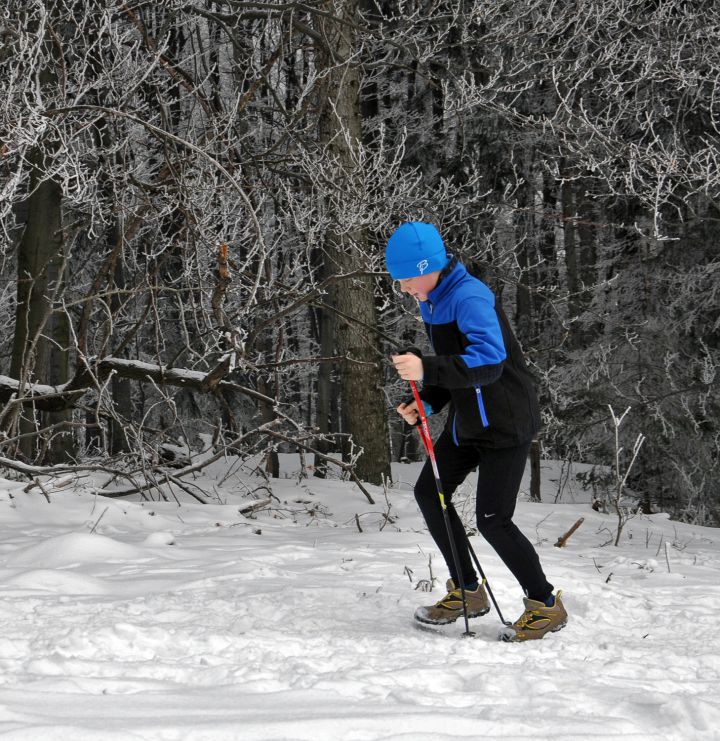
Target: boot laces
x=452, y=595
x=526, y=617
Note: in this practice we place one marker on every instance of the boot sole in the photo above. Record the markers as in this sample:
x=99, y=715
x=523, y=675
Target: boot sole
x=448, y=621
x=511, y=638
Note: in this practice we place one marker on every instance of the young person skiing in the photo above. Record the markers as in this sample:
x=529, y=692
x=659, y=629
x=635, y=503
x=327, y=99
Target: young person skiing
x=478, y=369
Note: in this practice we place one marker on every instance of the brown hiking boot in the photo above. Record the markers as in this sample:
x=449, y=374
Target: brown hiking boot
x=537, y=620
x=449, y=608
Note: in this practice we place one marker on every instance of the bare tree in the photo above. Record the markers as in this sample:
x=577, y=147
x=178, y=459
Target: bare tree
x=569, y=157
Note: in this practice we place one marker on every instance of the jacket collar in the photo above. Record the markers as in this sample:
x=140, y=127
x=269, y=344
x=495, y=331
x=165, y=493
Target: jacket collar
x=447, y=282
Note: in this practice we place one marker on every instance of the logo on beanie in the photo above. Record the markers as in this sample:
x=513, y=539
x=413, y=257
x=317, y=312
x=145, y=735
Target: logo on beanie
x=422, y=266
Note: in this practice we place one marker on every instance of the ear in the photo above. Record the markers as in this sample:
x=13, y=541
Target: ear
x=435, y=275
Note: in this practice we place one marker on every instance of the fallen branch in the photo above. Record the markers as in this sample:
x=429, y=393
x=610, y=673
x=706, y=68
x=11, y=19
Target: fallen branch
x=57, y=398
x=31, y=470
x=249, y=507
x=562, y=540
x=136, y=488
x=175, y=480
x=188, y=469
x=37, y=483
x=340, y=464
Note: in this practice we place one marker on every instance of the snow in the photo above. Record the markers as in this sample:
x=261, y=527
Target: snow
x=127, y=620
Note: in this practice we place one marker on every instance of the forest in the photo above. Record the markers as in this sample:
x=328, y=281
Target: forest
x=195, y=197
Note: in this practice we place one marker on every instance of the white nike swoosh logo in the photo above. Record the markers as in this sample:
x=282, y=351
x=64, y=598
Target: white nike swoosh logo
x=492, y=514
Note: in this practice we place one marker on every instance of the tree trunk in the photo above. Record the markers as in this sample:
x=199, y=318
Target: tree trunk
x=363, y=401
x=326, y=330
x=524, y=242
x=41, y=339
x=571, y=258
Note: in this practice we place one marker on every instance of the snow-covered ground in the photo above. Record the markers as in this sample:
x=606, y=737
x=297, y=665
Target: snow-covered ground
x=131, y=620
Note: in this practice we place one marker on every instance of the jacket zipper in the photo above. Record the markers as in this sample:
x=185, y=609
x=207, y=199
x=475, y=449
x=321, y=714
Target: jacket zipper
x=481, y=406
x=478, y=390
x=454, y=422
x=431, y=323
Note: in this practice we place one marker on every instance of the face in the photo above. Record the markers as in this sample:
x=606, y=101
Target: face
x=421, y=286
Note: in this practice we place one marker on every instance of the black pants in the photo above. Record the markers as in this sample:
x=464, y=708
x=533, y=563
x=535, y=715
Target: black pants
x=499, y=475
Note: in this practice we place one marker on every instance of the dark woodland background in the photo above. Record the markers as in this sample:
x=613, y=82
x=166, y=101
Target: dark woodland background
x=195, y=198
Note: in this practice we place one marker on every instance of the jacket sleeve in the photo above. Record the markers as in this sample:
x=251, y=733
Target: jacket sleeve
x=481, y=362
x=435, y=396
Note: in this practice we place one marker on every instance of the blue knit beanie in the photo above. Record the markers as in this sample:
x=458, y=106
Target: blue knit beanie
x=415, y=249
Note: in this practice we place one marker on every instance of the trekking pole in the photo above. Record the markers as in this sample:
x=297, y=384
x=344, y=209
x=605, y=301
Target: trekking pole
x=427, y=442
x=485, y=582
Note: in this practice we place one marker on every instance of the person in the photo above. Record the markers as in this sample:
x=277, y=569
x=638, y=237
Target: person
x=478, y=369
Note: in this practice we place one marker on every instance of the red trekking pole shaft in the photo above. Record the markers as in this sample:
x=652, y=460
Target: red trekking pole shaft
x=427, y=442
x=424, y=430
